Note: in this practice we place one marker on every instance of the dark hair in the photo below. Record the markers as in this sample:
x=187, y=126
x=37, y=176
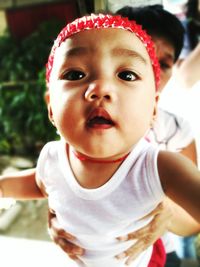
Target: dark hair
x=159, y=22
x=193, y=22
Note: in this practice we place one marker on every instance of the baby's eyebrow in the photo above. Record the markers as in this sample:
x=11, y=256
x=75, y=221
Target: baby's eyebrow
x=76, y=51
x=129, y=53
x=117, y=52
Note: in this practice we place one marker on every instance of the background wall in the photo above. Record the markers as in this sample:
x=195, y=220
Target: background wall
x=114, y=5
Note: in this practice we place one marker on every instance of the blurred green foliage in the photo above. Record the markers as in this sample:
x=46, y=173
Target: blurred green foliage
x=24, y=125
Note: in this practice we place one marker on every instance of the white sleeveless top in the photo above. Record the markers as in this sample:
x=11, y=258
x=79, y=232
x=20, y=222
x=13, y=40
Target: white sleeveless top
x=98, y=216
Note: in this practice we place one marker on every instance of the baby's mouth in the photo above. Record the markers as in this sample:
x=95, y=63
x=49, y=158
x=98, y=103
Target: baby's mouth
x=99, y=118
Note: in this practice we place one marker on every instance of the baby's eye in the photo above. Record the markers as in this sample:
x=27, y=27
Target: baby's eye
x=73, y=75
x=127, y=76
x=164, y=66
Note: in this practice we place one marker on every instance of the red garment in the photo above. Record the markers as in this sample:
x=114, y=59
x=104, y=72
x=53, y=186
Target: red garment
x=158, y=257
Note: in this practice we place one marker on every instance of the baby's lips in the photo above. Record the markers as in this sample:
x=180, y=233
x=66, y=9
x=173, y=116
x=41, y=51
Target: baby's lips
x=99, y=112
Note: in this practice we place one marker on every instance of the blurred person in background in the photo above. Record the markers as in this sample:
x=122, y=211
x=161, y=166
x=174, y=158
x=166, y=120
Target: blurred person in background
x=169, y=131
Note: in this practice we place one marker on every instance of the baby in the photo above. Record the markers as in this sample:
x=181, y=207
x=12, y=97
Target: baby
x=103, y=176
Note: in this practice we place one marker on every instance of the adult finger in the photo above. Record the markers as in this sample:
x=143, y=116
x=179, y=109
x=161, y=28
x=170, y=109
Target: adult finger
x=161, y=220
x=146, y=236
x=132, y=253
x=71, y=249
x=55, y=230
x=62, y=238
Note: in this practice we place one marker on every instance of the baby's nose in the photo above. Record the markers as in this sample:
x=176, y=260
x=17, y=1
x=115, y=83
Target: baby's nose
x=99, y=90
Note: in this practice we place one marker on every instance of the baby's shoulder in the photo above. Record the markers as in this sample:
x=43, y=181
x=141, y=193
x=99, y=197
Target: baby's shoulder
x=172, y=165
x=50, y=151
x=50, y=147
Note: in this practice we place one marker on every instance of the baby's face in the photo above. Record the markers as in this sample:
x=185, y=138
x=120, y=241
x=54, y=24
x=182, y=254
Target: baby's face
x=102, y=92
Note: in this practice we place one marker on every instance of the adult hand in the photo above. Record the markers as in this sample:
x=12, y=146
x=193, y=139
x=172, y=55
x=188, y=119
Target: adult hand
x=62, y=238
x=147, y=235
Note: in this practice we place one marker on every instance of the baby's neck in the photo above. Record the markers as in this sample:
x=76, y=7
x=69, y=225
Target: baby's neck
x=92, y=173
x=82, y=157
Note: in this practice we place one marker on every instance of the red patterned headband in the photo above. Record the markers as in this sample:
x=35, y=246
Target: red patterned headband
x=102, y=21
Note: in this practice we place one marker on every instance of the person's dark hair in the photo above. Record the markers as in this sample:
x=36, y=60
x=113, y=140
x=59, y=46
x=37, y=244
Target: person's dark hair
x=158, y=22
x=193, y=22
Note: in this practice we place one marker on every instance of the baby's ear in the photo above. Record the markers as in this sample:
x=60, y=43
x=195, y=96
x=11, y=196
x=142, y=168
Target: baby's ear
x=157, y=97
x=50, y=113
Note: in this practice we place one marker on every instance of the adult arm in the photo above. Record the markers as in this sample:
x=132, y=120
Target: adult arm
x=188, y=71
x=190, y=151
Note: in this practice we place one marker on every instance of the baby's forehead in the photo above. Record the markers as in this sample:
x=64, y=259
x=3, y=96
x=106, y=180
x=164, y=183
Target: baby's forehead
x=119, y=42
x=101, y=21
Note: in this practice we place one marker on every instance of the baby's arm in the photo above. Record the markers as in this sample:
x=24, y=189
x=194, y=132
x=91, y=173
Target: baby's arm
x=20, y=185
x=182, y=223
x=181, y=181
